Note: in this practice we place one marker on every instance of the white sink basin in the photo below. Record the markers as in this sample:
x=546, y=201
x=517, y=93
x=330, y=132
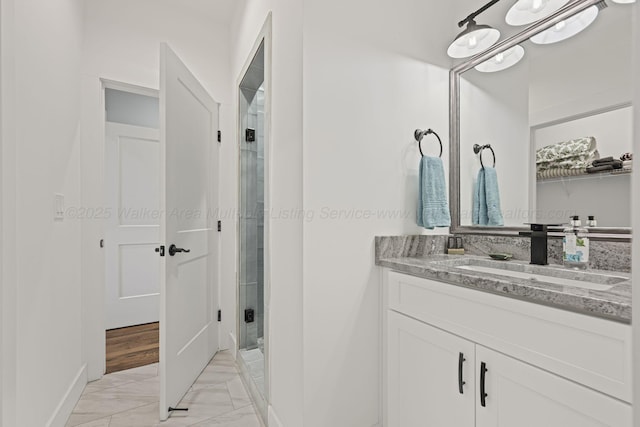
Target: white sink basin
x=539, y=277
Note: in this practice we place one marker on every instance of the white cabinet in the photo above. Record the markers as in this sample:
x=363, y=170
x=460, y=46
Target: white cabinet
x=431, y=379
x=518, y=394
x=439, y=361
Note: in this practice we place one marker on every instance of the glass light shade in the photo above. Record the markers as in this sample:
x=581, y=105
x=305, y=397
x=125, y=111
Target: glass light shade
x=567, y=28
x=474, y=39
x=527, y=11
x=502, y=61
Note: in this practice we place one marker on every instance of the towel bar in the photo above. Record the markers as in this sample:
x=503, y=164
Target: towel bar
x=419, y=134
x=478, y=149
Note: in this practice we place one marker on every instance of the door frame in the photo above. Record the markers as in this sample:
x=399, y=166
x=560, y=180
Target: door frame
x=93, y=228
x=93, y=122
x=264, y=36
x=8, y=237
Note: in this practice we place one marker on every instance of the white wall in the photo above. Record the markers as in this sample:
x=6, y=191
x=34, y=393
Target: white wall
x=41, y=293
x=592, y=76
x=122, y=43
x=132, y=108
x=365, y=91
x=8, y=285
x=368, y=84
x=613, y=131
x=285, y=176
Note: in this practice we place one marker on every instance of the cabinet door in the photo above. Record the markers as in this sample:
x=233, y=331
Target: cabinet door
x=518, y=394
x=425, y=371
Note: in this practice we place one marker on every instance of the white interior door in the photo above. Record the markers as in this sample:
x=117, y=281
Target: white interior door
x=188, y=280
x=133, y=225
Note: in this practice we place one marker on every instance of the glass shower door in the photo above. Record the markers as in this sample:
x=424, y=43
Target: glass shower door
x=251, y=221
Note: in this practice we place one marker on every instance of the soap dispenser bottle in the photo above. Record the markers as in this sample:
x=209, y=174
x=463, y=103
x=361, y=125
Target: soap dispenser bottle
x=575, y=245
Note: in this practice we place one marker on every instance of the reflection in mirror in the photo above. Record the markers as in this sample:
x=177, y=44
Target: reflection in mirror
x=604, y=194
x=575, y=89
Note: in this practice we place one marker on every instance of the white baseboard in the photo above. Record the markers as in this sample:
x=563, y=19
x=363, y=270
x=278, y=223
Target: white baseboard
x=69, y=400
x=274, y=421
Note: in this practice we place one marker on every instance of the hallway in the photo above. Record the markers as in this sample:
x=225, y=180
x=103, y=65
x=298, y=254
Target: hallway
x=130, y=399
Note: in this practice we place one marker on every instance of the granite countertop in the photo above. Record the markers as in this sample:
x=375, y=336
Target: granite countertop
x=613, y=303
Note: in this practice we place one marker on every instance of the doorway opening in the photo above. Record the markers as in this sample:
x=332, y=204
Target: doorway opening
x=132, y=226
x=161, y=211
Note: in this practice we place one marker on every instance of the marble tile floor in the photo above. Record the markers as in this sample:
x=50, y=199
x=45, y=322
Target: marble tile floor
x=130, y=399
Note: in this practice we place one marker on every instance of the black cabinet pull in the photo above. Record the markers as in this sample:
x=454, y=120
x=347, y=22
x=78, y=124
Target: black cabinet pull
x=483, y=395
x=461, y=360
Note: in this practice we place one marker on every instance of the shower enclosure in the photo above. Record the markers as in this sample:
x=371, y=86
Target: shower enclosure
x=251, y=277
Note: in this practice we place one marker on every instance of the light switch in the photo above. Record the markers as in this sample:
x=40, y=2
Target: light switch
x=58, y=207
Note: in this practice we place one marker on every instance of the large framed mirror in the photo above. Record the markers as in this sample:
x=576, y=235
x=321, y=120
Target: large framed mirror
x=543, y=121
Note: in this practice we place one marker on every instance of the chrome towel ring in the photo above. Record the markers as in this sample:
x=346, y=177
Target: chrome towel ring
x=478, y=150
x=419, y=134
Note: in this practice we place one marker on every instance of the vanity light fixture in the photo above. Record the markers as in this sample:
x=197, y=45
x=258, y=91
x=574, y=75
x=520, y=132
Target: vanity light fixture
x=569, y=27
x=475, y=38
x=527, y=11
x=502, y=61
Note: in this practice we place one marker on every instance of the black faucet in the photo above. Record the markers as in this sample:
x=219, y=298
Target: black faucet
x=538, y=236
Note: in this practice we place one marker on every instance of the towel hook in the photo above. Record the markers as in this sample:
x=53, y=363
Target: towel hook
x=478, y=149
x=419, y=134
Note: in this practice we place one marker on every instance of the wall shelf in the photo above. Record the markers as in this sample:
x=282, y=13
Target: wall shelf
x=586, y=176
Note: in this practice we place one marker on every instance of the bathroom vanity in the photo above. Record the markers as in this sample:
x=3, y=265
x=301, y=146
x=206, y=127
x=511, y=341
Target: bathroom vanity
x=469, y=341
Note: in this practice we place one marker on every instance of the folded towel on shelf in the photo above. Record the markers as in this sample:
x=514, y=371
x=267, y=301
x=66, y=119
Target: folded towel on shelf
x=601, y=168
x=433, y=208
x=574, y=154
x=560, y=173
x=597, y=162
x=627, y=164
x=615, y=164
x=571, y=163
x=486, y=199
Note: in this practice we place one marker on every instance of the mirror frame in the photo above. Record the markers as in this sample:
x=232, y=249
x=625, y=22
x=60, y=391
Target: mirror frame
x=573, y=7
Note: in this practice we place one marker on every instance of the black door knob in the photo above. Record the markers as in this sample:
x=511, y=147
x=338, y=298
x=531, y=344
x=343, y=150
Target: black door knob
x=173, y=249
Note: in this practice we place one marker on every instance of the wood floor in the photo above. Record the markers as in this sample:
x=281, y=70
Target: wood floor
x=132, y=347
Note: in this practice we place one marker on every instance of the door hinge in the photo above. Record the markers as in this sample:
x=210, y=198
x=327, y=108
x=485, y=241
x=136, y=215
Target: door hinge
x=160, y=250
x=219, y=225
x=219, y=136
x=219, y=315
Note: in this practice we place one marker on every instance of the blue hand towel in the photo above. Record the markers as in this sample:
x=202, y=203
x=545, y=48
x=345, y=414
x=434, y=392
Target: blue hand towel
x=486, y=199
x=433, y=208
x=479, y=212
